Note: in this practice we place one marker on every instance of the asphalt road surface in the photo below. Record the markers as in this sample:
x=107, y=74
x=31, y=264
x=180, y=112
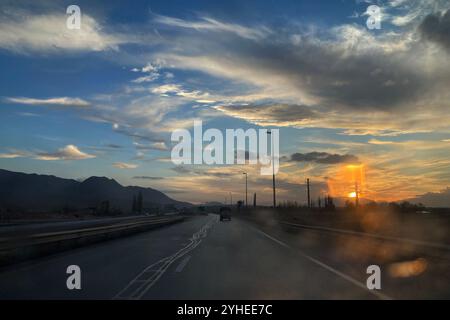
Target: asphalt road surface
x=202, y=258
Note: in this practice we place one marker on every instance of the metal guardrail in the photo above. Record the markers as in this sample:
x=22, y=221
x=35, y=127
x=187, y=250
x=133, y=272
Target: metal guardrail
x=81, y=232
x=20, y=248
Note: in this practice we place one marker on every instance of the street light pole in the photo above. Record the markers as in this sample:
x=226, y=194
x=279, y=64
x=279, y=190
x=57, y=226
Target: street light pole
x=246, y=199
x=307, y=188
x=273, y=168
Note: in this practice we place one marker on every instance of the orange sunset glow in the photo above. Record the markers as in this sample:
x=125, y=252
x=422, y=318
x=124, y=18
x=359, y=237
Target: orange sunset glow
x=346, y=179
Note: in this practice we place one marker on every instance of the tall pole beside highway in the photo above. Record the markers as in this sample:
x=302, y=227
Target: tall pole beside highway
x=309, y=196
x=246, y=199
x=273, y=168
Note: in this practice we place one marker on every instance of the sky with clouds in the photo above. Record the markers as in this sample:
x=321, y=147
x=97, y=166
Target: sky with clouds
x=103, y=100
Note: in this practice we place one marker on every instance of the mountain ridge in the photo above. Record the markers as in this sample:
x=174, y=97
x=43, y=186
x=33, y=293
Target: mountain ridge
x=35, y=192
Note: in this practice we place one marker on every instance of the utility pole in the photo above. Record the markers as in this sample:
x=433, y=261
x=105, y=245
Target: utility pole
x=356, y=194
x=309, y=197
x=254, y=200
x=231, y=199
x=273, y=168
x=246, y=200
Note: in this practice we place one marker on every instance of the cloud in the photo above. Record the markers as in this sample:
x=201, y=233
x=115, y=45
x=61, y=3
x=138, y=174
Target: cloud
x=147, y=112
x=266, y=114
x=123, y=165
x=217, y=172
x=409, y=13
x=24, y=32
x=69, y=152
x=148, y=178
x=176, y=89
x=335, y=73
x=342, y=78
x=143, y=118
x=11, y=155
x=323, y=158
x=113, y=146
x=436, y=28
x=380, y=142
x=401, y=21
x=346, y=77
x=396, y=3
x=434, y=199
x=181, y=170
x=377, y=123
x=152, y=71
x=149, y=78
x=159, y=146
x=58, y=101
x=213, y=25
x=136, y=135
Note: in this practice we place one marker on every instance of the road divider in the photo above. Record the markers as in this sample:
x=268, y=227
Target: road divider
x=16, y=249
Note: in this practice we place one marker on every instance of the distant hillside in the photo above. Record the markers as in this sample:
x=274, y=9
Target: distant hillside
x=434, y=199
x=33, y=192
x=212, y=204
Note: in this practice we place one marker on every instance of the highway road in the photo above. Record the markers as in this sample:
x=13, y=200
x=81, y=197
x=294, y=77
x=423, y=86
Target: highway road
x=202, y=258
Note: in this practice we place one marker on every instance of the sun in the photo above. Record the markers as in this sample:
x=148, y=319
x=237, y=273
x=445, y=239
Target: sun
x=352, y=194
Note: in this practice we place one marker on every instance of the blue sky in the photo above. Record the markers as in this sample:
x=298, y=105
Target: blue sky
x=104, y=100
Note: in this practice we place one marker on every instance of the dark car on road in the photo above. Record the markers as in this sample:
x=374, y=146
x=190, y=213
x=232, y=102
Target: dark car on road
x=225, y=213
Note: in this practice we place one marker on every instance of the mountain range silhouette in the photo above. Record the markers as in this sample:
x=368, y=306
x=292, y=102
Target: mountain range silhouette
x=35, y=192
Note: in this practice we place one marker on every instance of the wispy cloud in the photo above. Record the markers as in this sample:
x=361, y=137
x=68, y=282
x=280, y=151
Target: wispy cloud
x=11, y=155
x=69, y=152
x=23, y=32
x=124, y=165
x=323, y=158
x=147, y=78
x=159, y=146
x=409, y=13
x=176, y=89
x=57, y=101
x=148, y=178
x=151, y=70
x=336, y=75
x=214, y=25
x=273, y=113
